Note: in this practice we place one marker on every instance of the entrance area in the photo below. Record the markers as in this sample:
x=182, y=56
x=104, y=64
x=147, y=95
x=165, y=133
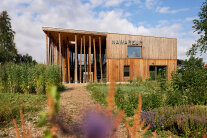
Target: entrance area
x=80, y=54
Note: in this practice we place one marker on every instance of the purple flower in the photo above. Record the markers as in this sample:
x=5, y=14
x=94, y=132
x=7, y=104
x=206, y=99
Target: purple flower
x=96, y=125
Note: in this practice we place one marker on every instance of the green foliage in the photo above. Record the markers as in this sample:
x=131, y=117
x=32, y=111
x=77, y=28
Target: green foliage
x=126, y=96
x=200, y=26
x=98, y=92
x=7, y=45
x=28, y=78
x=24, y=59
x=191, y=81
x=8, y=51
x=11, y=103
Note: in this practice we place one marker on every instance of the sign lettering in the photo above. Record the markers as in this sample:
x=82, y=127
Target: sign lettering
x=125, y=42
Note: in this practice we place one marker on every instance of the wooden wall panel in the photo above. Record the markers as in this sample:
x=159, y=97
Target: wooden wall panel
x=152, y=48
x=138, y=68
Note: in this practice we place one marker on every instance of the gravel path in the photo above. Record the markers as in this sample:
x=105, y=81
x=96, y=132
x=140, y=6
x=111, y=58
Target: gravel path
x=75, y=101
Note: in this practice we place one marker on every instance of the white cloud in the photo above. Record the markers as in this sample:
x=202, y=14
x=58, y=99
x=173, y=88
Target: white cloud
x=106, y=3
x=168, y=10
x=151, y=3
x=190, y=19
x=73, y=14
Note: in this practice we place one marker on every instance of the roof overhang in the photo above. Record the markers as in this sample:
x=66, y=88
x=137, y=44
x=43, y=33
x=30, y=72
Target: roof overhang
x=50, y=29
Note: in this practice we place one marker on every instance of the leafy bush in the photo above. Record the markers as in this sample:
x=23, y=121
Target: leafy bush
x=190, y=121
x=11, y=103
x=98, y=92
x=191, y=81
x=28, y=78
x=126, y=96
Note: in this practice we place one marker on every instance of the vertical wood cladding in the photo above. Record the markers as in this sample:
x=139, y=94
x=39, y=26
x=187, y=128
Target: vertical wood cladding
x=156, y=51
x=138, y=68
x=152, y=48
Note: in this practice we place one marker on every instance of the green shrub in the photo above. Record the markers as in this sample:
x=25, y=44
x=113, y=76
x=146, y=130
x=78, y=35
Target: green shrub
x=98, y=92
x=11, y=103
x=191, y=81
x=126, y=96
x=28, y=78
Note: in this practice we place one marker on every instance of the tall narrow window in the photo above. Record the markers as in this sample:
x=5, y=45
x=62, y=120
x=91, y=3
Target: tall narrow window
x=134, y=52
x=157, y=72
x=126, y=71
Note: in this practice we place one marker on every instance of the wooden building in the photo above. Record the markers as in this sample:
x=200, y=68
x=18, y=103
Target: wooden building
x=86, y=56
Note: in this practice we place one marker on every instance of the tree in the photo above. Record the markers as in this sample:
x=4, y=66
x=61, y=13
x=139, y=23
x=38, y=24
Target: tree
x=200, y=26
x=191, y=81
x=8, y=50
x=24, y=59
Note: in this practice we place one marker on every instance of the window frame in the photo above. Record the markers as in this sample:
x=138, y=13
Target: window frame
x=134, y=57
x=156, y=71
x=124, y=71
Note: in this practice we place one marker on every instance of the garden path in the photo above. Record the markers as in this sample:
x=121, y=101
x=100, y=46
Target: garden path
x=75, y=102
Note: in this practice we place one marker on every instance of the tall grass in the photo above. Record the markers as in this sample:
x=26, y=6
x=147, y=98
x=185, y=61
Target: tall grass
x=28, y=78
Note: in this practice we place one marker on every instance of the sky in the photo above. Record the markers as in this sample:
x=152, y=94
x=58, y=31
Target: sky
x=164, y=18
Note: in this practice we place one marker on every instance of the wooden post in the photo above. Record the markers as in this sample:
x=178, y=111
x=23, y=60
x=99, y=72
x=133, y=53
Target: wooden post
x=81, y=58
x=57, y=58
x=94, y=56
x=47, y=49
x=59, y=54
x=63, y=64
x=100, y=59
x=51, y=48
x=68, y=57
x=53, y=59
x=89, y=59
x=84, y=44
x=76, y=59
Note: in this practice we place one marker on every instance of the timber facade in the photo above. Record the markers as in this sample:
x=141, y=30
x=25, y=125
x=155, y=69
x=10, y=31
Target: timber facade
x=86, y=56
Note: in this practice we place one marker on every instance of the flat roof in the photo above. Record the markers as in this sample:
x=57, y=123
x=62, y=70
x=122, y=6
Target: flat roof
x=51, y=29
x=45, y=29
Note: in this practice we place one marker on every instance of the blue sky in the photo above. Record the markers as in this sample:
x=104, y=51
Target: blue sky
x=166, y=18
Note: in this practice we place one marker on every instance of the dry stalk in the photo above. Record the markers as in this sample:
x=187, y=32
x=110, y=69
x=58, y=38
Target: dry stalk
x=51, y=116
x=22, y=120
x=16, y=128
x=110, y=99
x=26, y=133
x=154, y=134
x=132, y=131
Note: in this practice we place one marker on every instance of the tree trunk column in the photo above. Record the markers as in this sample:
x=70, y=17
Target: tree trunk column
x=76, y=60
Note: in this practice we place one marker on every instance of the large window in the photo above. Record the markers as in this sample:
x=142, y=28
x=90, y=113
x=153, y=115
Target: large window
x=126, y=71
x=157, y=72
x=134, y=51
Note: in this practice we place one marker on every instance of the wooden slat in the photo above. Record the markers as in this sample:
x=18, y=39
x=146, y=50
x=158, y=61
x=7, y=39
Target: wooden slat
x=76, y=59
x=63, y=64
x=68, y=57
x=81, y=59
x=89, y=59
x=84, y=44
x=53, y=59
x=94, y=55
x=100, y=59
x=49, y=50
x=47, y=61
x=59, y=54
